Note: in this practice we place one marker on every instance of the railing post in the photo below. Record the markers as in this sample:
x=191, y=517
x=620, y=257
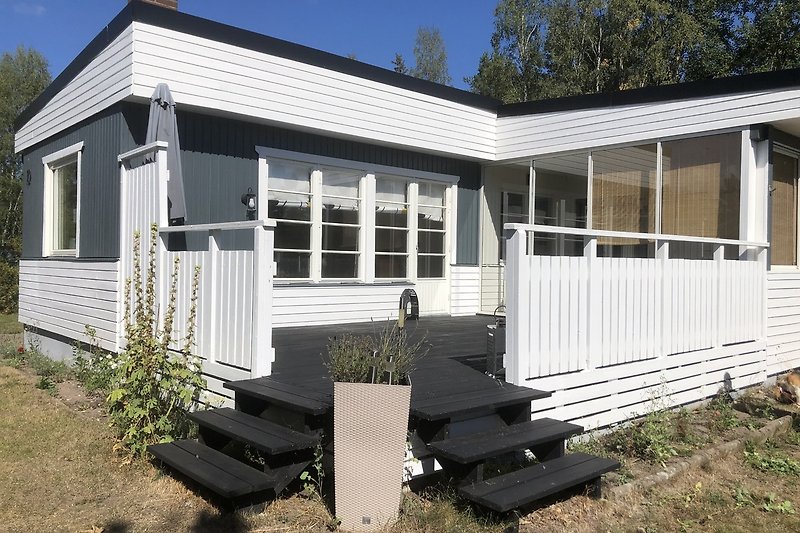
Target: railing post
x=262, y=351
x=213, y=286
x=664, y=295
x=719, y=296
x=162, y=219
x=517, y=290
x=594, y=291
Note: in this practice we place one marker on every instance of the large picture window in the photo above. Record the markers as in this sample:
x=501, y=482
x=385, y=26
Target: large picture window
x=340, y=224
x=61, y=209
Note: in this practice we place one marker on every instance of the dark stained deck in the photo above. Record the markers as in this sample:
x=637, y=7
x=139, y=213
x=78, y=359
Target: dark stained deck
x=300, y=351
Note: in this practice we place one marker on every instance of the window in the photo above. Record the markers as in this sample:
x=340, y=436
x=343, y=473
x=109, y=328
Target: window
x=391, y=227
x=783, y=194
x=62, y=206
x=342, y=224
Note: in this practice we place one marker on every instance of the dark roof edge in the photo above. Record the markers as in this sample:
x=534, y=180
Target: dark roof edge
x=216, y=31
x=664, y=93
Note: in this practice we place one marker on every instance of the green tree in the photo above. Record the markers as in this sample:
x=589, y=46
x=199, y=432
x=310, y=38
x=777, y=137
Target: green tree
x=770, y=35
x=430, y=57
x=514, y=69
x=23, y=76
x=399, y=64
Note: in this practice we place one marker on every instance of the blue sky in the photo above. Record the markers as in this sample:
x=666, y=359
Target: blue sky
x=373, y=30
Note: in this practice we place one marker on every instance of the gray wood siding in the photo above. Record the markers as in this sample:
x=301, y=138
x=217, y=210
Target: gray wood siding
x=99, y=231
x=220, y=163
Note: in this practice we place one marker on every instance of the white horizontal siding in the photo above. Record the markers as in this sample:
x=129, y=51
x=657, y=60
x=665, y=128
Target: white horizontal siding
x=465, y=290
x=533, y=135
x=492, y=287
x=308, y=305
x=63, y=297
x=603, y=396
x=227, y=78
x=104, y=81
x=783, y=321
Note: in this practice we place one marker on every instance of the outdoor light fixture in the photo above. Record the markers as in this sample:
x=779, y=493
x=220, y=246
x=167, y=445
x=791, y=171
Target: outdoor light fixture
x=249, y=201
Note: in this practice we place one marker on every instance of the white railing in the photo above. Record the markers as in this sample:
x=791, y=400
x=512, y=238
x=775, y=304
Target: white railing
x=568, y=313
x=234, y=323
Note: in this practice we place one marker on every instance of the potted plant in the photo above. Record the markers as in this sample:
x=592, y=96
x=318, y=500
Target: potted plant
x=371, y=398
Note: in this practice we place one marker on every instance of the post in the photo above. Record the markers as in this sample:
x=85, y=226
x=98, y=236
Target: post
x=517, y=290
x=262, y=352
x=719, y=296
x=594, y=290
x=664, y=295
x=162, y=219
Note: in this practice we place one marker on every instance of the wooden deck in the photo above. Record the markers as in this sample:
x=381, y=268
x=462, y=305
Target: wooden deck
x=300, y=351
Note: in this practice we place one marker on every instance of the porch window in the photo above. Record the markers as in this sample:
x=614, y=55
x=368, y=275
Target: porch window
x=701, y=188
x=62, y=206
x=341, y=223
x=624, y=197
x=391, y=227
x=290, y=205
x=783, y=239
x=561, y=200
x=431, y=230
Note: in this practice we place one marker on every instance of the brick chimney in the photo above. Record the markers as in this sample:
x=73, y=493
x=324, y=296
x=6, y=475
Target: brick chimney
x=169, y=4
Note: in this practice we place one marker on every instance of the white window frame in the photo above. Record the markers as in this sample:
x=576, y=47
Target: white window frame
x=51, y=163
x=367, y=197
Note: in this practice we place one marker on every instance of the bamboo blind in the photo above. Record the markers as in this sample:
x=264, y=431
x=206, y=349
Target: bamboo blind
x=783, y=240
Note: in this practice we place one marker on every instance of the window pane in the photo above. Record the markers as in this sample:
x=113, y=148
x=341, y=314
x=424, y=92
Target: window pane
x=339, y=266
x=340, y=238
x=783, y=240
x=65, y=192
x=430, y=266
x=391, y=190
x=624, y=191
x=561, y=184
x=431, y=194
x=293, y=264
x=289, y=176
x=390, y=266
x=289, y=206
x=293, y=236
x=391, y=240
x=340, y=182
x=701, y=186
x=391, y=215
x=431, y=218
x=431, y=242
x=340, y=210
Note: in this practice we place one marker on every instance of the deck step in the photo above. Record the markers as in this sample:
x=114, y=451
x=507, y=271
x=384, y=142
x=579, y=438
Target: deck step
x=509, y=491
x=302, y=399
x=222, y=474
x=484, y=445
x=257, y=432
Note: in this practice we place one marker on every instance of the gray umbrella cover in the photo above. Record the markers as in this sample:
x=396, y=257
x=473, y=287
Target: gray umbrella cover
x=163, y=126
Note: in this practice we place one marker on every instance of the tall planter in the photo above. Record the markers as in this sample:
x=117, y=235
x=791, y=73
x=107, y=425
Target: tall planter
x=370, y=424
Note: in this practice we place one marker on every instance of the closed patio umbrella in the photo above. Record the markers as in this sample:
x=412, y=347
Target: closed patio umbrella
x=163, y=126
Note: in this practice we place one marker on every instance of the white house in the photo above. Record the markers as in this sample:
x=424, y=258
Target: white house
x=636, y=238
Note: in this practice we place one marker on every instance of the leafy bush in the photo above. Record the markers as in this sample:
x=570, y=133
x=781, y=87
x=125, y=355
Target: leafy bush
x=93, y=367
x=650, y=439
x=351, y=358
x=9, y=286
x=154, y=387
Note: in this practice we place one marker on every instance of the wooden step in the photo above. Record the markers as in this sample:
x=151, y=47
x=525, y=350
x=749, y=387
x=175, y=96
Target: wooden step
x=509, y=491
x=222, y=474
x=293, y=397
x=257, y=432
x=459, y=402
x=484, y=445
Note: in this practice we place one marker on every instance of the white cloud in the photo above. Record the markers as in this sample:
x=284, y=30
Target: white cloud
x=29, y=8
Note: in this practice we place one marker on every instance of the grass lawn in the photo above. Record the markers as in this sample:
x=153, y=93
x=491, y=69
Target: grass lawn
x=58, y=472
x=9, y=324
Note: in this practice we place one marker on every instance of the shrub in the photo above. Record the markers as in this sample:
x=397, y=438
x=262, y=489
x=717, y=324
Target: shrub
x=9, y=286
x=154, y=386
x=351, y=358
x=93, y=367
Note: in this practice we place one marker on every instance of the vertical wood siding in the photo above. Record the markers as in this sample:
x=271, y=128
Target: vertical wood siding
x=783, y=321
x=65, y=296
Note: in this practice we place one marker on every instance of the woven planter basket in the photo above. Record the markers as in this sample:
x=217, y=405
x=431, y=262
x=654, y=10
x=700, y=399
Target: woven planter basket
x=370, y=424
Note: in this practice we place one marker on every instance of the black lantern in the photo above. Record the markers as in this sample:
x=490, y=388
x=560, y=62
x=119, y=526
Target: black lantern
x=249, y=201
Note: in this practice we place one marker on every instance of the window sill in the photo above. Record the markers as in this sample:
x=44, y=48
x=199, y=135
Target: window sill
x=308, y=283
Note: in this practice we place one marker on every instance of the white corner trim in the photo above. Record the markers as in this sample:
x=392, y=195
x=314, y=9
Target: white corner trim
x=266, y=153
x=63, y=153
